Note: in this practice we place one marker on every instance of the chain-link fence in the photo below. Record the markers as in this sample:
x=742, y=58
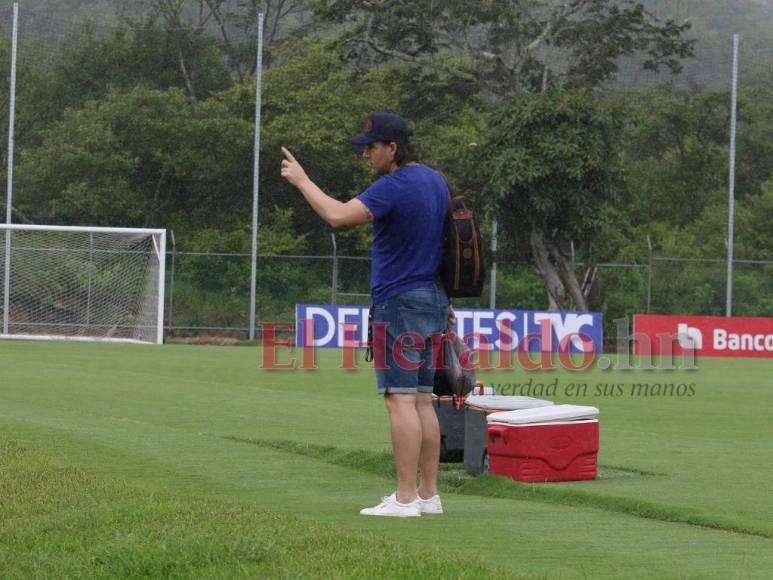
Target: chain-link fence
x=698, y=286
x=208, y=294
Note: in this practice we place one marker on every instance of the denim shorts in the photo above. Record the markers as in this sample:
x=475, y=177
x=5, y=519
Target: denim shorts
x=408, y=369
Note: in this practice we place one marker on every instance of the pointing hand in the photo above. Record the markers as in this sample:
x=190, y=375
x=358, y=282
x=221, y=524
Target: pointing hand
x=292, y=170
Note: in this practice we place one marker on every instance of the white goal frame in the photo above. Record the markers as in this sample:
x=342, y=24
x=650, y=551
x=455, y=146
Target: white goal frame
x=158, y=237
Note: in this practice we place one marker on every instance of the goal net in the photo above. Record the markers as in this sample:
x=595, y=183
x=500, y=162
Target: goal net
x=81, y=283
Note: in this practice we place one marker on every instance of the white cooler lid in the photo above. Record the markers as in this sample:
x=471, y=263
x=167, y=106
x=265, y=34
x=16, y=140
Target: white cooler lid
x=551, y=414
x=505, y=403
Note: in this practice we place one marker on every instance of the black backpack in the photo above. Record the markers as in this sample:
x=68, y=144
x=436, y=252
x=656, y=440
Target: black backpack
x=462, y=269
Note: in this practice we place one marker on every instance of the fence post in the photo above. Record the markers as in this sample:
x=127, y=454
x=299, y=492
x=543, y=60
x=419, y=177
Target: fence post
x=649, y=274
x=493, y=296
x=256, y=178
x=334, y=290
x=171, y=282
x=9, y=190
x=731, y=182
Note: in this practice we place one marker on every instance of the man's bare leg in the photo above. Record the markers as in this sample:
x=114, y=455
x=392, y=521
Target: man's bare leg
x=429, y=457
x=405, y=428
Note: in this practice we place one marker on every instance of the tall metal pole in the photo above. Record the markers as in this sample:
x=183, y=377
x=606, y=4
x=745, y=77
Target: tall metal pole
x=160, y=240
x=256, y=176
x=9, y=190
x=334, y=283
x=731, y=184
x=649, y=274
x=171, y=281
x=493, y=296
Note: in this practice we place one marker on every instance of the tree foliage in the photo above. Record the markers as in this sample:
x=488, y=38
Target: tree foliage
x=148, y=120
x=316, y=100
x=548, y=163
x=143, y=157
x=505, y=46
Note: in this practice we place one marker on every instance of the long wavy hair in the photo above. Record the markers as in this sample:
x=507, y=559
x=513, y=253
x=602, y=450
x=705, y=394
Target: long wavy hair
x=406, y=153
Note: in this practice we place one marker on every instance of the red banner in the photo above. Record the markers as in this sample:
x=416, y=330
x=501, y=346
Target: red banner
x=707, y=335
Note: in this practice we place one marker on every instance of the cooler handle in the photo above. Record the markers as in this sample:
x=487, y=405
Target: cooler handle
x=495, y=433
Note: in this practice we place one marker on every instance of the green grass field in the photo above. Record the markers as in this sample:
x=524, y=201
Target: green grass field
x=189, y=461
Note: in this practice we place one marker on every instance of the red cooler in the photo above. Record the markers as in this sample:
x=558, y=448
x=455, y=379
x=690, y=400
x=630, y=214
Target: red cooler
x=476, y=409
x=557, y=443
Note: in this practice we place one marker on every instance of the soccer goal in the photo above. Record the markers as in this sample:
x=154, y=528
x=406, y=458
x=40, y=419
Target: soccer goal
x=82, y=283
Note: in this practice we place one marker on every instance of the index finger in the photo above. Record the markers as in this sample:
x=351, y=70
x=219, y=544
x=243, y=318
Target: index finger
x=288, y=154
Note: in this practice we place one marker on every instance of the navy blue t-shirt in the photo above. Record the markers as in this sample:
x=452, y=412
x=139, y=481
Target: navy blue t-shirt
x=409, y=209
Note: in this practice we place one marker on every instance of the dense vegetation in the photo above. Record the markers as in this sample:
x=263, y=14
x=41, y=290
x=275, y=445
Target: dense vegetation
x=141, y=114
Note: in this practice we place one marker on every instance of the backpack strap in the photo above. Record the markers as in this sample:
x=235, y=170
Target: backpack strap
x=369, y=348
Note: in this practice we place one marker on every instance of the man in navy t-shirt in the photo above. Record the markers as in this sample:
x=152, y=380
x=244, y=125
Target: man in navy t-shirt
x=409, y=208
x=407, y=205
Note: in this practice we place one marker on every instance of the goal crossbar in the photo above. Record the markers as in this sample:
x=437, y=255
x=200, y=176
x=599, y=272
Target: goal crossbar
x=82, y=229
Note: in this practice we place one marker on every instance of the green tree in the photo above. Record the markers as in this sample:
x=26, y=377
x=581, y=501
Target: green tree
x=213, y=289
x=755, y=220
x=145, y=51
x=283, y=19
x=505, y=46
x=315, y=100
x=234, y=25
x=675, y=154
x=675, y=159
x=32, y=106
x=143, y=157
x=548, y=164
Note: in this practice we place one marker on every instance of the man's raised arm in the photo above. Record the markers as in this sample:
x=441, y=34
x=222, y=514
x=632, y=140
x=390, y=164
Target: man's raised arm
x=334, y=212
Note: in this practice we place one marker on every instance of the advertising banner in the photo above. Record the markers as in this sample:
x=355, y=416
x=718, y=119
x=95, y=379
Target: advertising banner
x=492, y=330
x=707, y=335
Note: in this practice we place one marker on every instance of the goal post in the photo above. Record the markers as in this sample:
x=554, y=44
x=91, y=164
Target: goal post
x=82, y=283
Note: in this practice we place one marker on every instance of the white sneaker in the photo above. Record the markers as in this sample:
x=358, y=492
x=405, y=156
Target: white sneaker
x=389, y=506
x=431, y=505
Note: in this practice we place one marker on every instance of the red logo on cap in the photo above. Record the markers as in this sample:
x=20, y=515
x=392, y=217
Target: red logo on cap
x=369, y=125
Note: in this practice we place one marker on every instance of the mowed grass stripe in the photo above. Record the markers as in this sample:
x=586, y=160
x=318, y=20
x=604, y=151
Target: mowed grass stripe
x=59, y=522
x=455, y=480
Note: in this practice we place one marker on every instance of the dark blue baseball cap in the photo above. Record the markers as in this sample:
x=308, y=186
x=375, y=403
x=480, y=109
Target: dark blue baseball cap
x=383, y=127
